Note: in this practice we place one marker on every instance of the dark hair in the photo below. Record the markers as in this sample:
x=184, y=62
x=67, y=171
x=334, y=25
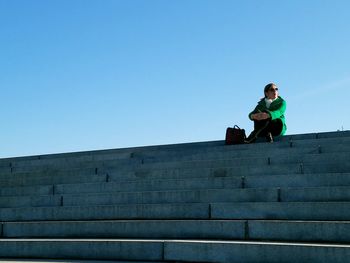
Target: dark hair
x=268, y=86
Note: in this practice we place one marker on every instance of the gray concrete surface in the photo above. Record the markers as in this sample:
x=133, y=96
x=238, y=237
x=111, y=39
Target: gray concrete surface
x=30, y=201
x=152, y=185
x=136, y=211
x=317, y=194
x=248, y=252
x=300, y=231
x=52, y=179
x=298, y=180
x=160, y=197
x=284, y=210
x=82, y=249
x=177, y=229
x=95, y=159
x=27, y=190
x=294, y=190
x=274, y=230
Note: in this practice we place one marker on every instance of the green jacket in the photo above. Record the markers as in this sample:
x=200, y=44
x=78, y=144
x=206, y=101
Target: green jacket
x=276, y=110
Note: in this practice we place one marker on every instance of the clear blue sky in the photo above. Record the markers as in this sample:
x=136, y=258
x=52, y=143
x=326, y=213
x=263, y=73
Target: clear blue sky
x=80, y=75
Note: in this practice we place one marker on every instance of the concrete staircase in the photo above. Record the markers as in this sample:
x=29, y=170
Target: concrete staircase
x=288, y=201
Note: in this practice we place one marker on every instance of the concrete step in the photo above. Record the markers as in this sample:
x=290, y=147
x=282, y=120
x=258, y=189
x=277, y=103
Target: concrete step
x=30, y=201
x=163, y=197
x=125, y=186
x=212, y=229
x=307, y=181
x=258, y=181
x=68, y=165
x=222, y=155
x=28, y=190
x=46, y=180
x=297, y=180
x=188, y=151
x=132, y=211
x=310, y=161
x=282, y=210
x=320, y=135
x=85, y=156
x=213, y=181
x=301, y=231
x=277, y=230
x=109, y=249
x=301, y=164
x=281, y=142
x=248, y=251
x=65, y=159
x=116, y=175
x=175, y=250
x=332, y=145
x=152, y=185
x=48, y=172
x=243, y=170
x=304, y=140
x=262, y=160
x=292, y=155
x=72, y=159
x=237, y=210
x=316, y=194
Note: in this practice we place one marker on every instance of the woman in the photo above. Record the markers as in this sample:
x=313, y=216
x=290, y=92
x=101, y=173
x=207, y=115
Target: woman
x=268, y=115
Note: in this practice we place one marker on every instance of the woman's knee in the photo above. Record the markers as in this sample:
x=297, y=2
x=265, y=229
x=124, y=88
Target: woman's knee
x=276, y=127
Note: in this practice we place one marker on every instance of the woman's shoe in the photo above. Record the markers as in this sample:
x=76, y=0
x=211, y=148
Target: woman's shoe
x=269, y=137
x=252, y=137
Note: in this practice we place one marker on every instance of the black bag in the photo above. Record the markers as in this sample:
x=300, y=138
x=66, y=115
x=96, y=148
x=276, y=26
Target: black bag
x=235, y=135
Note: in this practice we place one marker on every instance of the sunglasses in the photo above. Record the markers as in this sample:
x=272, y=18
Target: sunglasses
x=276, y=89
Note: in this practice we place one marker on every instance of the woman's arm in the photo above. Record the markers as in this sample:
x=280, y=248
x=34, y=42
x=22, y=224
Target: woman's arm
x=252, y=115
x=258, y=115
x=277, y=113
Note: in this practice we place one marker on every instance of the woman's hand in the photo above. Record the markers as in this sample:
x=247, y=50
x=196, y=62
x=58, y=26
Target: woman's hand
x=260, y=116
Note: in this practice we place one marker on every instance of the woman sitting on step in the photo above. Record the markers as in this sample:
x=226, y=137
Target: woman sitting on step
x=268, y=115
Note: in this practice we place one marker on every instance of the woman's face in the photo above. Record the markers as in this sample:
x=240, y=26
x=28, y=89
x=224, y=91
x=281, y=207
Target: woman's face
x=272, y=93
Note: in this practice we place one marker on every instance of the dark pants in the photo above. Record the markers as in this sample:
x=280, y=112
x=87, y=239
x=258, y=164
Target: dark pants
x=265, y=126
